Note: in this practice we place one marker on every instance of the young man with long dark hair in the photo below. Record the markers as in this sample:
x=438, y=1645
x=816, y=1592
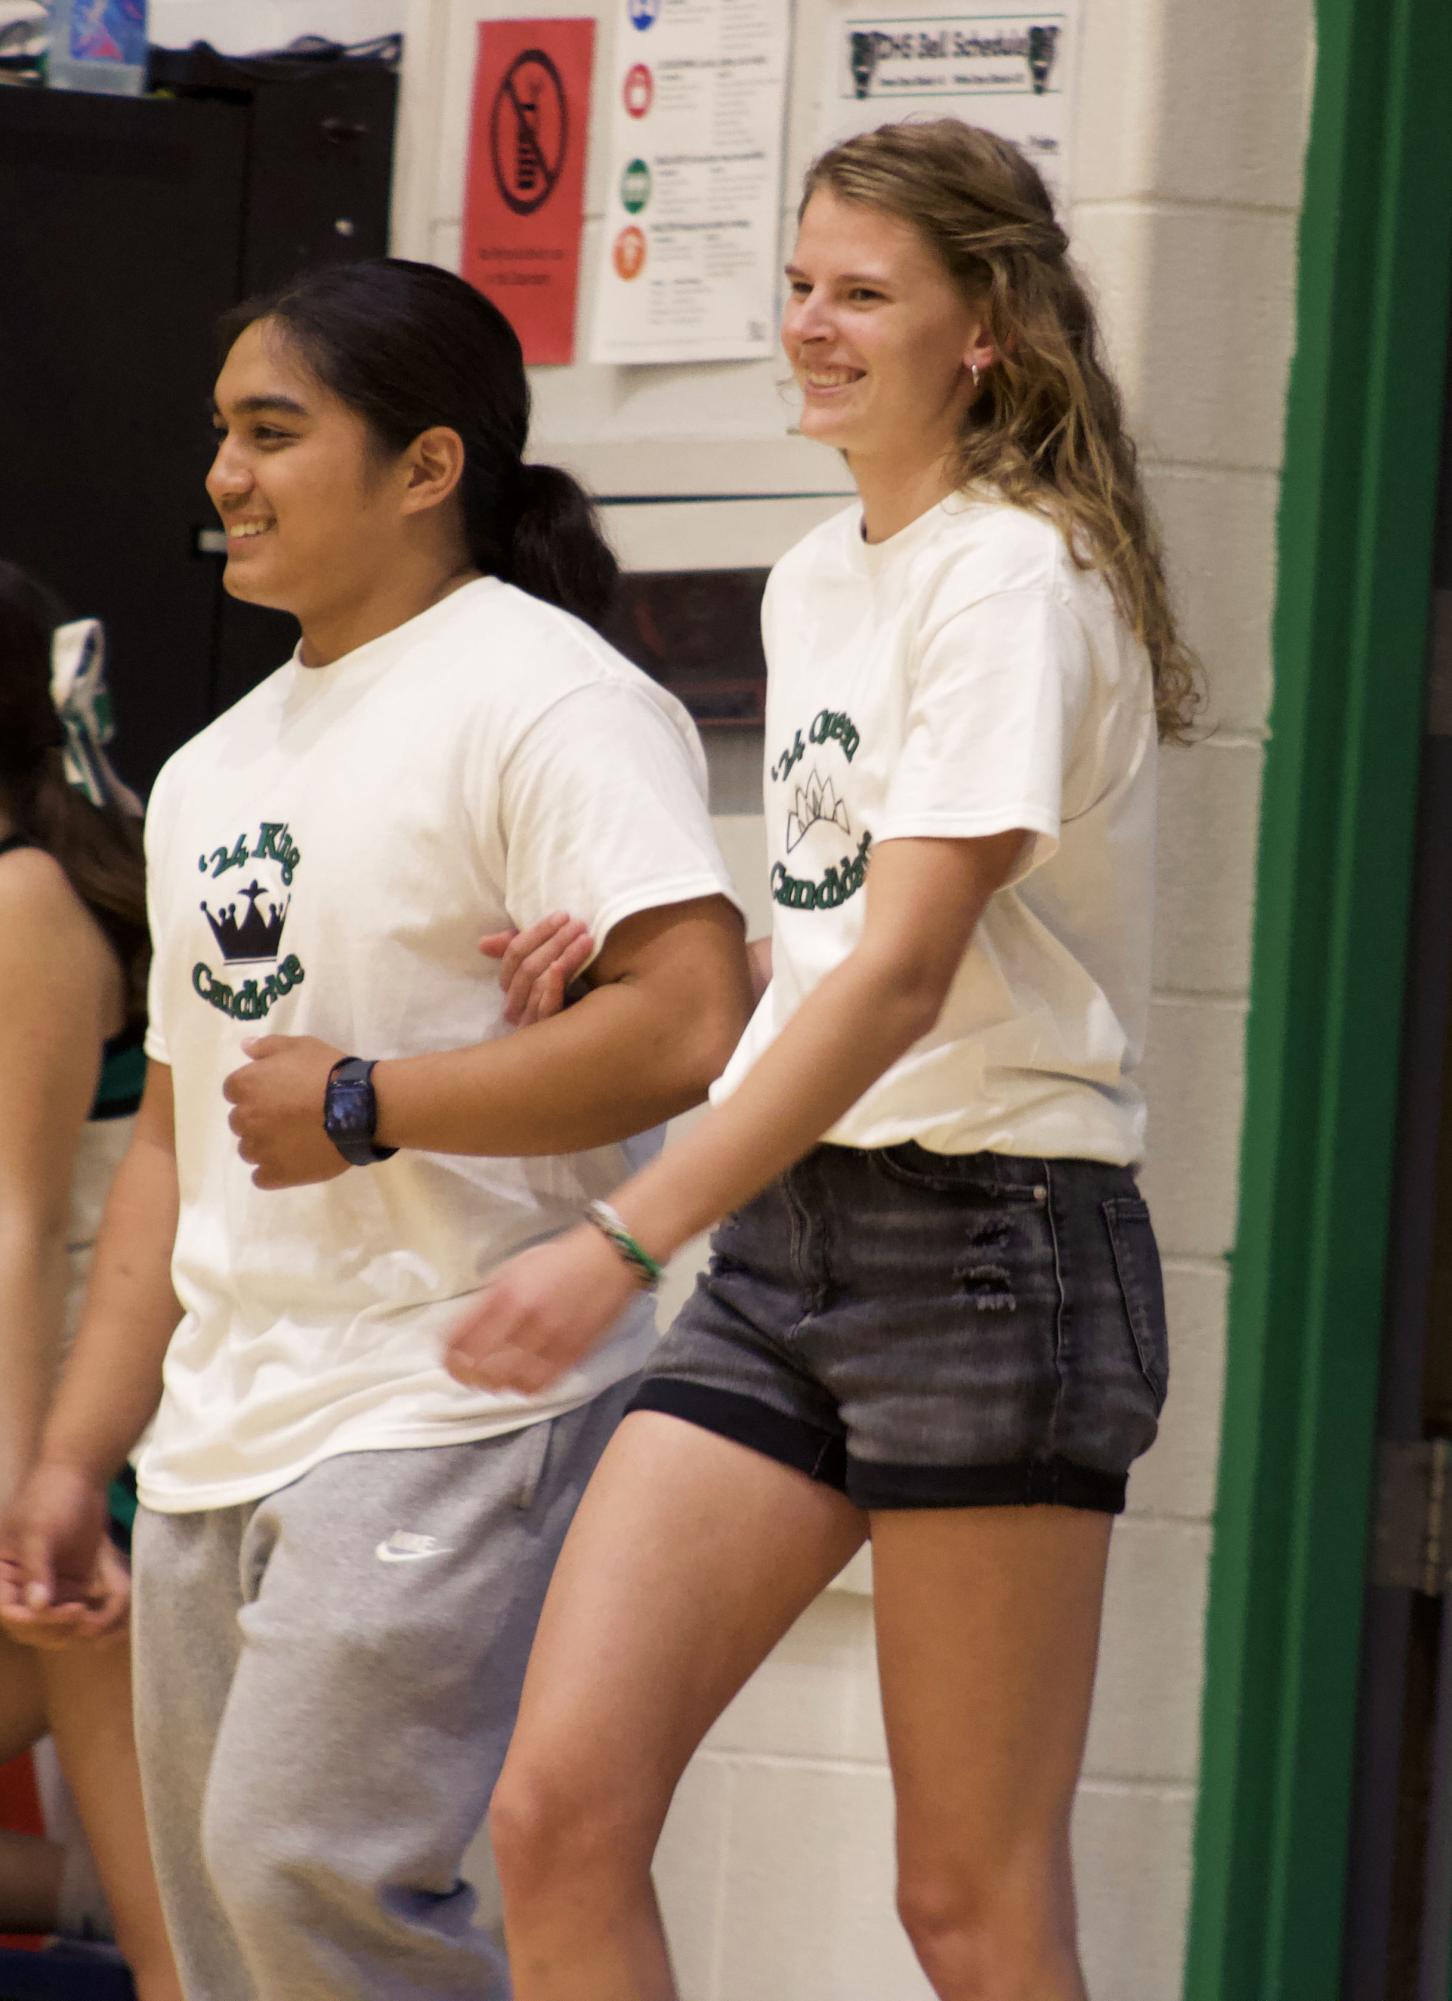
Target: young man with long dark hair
x=341, y=1550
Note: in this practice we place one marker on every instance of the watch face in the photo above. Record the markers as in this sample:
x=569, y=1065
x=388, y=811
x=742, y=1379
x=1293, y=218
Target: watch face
x=349, y=1110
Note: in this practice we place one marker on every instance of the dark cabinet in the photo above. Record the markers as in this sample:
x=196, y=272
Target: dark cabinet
x=126, y=227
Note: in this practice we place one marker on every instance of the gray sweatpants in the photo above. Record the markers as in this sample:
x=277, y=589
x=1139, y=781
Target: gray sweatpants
x=326, y=1681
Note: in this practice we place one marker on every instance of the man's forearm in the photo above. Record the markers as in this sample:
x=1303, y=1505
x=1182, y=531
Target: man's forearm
x=112, y=1382
x=669, y=999
x=758, y=958
x=617, y=1062
x=646, y=1043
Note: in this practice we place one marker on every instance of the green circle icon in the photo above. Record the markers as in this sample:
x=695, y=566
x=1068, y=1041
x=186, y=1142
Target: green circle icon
x=635, y=186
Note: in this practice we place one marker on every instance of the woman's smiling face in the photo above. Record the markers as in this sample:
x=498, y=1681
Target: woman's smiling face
x=878, y=334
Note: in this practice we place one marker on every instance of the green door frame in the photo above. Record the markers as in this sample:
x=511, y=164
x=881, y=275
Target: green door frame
x=1355, y=537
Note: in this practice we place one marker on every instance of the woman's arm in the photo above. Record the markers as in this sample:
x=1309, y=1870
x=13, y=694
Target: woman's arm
x=537, y=965
x=924, y=898
x=58, y=1003
x=112, y=1382
x=52, y=1533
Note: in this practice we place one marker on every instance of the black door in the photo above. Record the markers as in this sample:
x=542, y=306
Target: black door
x=127, y=225
x=1399, y=1901
x=120, y=240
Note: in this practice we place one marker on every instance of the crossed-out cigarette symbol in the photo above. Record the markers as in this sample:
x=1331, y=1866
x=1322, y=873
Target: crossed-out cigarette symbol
x=526, y=168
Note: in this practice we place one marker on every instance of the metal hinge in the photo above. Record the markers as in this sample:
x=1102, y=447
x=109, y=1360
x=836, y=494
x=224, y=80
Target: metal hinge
x=1412, y=1538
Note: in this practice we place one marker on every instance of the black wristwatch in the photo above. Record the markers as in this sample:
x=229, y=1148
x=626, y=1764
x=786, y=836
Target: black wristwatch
x=350, y=1112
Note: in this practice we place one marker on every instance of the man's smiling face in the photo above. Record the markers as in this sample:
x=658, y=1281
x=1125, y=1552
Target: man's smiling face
x=297, y=480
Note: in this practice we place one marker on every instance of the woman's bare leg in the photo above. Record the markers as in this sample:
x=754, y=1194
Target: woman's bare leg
x=688, y=1560
x=30, y=1882
x=22, y=1699
x=88, y=1701
x=30, y=1866
x=988, y=1631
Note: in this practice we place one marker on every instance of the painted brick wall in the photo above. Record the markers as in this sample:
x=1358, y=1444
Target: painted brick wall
x=776, y=1867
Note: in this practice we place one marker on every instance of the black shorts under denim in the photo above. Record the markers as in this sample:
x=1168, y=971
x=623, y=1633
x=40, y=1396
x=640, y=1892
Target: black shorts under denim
x=931, y=1330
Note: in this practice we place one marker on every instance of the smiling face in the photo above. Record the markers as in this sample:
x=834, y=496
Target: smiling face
x=311, y=508
x=879, y=337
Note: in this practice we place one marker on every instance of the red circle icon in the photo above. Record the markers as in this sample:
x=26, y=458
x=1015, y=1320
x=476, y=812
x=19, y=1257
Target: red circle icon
x=639, y=90
x=629, y=252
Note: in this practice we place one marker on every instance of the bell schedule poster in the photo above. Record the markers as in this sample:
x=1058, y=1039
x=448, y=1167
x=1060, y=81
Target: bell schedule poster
x=1010, y=71
x=693, y=190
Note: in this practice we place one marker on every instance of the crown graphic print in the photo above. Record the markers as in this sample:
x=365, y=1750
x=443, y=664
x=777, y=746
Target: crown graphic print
x=254, y=938
x=248, y=929
x=816, y=800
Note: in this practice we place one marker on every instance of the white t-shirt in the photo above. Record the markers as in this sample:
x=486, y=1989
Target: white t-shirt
x=963, y=678
x=322, y=860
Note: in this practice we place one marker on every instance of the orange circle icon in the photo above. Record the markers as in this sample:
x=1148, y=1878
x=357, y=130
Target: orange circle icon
x=629, y=252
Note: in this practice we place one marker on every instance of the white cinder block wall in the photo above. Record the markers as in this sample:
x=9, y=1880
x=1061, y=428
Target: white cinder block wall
x=1189, y=128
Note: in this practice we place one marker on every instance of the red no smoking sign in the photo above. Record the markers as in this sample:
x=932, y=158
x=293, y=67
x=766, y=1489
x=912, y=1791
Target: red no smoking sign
x=524, y=199
x=639, y=90
x=529, y=132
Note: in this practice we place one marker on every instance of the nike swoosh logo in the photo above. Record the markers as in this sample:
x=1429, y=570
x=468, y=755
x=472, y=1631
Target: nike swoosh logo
x=409, y=1549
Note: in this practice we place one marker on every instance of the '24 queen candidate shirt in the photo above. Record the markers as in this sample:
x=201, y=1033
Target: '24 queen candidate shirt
x=965, y=677
x=322, y=860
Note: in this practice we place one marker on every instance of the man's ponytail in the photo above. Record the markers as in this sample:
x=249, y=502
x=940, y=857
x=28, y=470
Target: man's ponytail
x=558, y=552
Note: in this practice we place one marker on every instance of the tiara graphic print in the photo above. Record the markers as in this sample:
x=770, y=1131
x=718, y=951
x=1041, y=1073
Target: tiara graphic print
x=817, y=817
x=247, y=916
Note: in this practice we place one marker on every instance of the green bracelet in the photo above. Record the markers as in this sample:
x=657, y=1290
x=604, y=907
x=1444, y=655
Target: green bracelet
x=610, y=1225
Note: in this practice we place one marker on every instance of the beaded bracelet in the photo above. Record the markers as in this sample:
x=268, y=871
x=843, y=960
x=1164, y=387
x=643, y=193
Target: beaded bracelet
x=610, y=1225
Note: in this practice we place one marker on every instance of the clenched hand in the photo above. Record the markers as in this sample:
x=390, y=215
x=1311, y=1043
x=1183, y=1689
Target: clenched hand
x=277, y=1110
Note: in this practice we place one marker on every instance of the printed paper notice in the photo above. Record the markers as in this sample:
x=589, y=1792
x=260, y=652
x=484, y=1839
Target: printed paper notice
x=693, y=197
x=524, y=192
x=1007, y=71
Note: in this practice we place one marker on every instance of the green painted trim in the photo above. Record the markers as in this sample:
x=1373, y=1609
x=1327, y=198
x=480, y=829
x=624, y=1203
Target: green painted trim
x=1354, y=577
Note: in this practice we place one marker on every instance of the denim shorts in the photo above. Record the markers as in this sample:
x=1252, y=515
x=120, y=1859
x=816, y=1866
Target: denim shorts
x=927, y=1330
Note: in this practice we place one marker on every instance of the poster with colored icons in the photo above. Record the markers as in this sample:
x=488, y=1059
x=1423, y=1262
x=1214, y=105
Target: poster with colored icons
x=693, y=188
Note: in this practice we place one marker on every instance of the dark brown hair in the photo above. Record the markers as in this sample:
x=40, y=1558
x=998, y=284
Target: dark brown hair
x=99, y=847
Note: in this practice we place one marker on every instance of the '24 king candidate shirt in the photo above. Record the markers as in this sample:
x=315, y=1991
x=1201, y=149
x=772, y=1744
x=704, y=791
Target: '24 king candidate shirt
x=322, y=860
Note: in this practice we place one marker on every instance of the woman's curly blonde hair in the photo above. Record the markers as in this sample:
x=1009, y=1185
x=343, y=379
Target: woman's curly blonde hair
x=1046, y=428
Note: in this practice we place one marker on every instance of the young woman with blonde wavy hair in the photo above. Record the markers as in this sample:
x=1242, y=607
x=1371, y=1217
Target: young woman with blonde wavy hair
x=933, y=1315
